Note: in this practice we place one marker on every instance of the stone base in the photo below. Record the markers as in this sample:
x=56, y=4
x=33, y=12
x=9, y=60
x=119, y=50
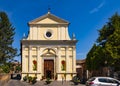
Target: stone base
x=60, y=76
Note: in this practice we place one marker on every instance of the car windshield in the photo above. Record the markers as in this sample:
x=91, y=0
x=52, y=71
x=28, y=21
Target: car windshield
x=110, y=81
x=115, y=81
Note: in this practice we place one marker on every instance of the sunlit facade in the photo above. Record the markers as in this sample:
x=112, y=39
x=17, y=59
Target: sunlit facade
x=48, y=51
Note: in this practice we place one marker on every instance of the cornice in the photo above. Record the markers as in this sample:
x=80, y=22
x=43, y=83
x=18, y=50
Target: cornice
x=49, y=24
x=50, y=42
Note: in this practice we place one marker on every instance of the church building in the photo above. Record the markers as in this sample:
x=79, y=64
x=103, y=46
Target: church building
x=48, y=51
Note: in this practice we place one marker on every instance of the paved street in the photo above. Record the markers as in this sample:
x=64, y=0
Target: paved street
x=39, y=83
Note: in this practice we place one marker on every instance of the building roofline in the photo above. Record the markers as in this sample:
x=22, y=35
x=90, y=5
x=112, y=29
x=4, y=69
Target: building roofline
x=61, y=21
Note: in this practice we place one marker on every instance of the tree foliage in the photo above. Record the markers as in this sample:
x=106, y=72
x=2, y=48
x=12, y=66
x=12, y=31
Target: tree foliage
x=6, y=39
x=7, y=67
x=93, y=63
x=108, y=46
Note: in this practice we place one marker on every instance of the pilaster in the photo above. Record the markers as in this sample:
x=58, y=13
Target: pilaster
x=67, y=60
x=74, y=59
x=23, y=57
x=29, y=59
x=58, y=63
x=38, y=60
x=59, y=37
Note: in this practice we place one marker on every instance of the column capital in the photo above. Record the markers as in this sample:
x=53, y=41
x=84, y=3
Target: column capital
x=23, y=46
x=30, y=47
x=38, y=48
x=74, y=46
x=67, y=47
x=58, y=50
x=59, y=47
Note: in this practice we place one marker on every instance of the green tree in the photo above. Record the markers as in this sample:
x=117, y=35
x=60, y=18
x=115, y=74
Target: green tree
x=89, y=59
x=113, y=43
x=6, y=67
x=95, y=58
x=108, y=46
x=18, y=68
x=7, y=33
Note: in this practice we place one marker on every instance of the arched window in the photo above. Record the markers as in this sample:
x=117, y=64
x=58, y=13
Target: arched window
x=63, y=66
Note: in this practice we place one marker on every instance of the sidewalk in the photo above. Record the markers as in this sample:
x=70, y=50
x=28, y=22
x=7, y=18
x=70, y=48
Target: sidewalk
x=41, y=83
x=54, y=83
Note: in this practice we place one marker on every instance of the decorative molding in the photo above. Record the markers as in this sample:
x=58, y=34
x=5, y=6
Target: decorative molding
x=52, y=34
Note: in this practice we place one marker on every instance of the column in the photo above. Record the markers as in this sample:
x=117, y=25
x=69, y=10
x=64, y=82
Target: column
x=41, y=62
x=38, y=60
x=38, y=64
x=59, y=61
x=59, y=37
x=30, y=59
x=58, y=64
x=23, y=61
x=67, y=60
x=74, y=59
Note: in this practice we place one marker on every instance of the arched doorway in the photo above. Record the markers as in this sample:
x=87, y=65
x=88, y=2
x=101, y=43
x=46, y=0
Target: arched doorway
x=49, y=63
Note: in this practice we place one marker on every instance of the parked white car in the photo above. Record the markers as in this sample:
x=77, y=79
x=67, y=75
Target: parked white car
x=102, y=81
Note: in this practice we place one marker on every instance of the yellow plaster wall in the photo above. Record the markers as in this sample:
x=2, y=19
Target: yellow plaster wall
x=26, y=59
x=35, y=33
x=63, y=51
x=42, y=33
x=25, y=63
x=63, y=33
x=47, y=21
x=34, y=51
x=25, y=51
x=38, y=32
x=70, y=64
x=70, y=52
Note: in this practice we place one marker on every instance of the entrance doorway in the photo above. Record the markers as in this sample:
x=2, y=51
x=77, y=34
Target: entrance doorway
x=49, y=68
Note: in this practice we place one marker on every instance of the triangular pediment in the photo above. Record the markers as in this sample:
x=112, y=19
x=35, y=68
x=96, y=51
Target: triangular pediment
x=48, y=53
x=48, y=19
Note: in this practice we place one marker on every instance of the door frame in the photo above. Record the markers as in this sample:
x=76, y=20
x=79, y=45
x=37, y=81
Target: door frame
x=48, y=65
x=50, y=58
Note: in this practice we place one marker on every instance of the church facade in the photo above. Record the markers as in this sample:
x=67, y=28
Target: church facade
x=48, y=51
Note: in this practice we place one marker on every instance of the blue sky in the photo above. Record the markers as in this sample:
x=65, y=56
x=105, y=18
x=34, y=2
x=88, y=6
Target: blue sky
x=85, y=17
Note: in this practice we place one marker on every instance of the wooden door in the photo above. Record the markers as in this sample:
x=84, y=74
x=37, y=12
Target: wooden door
x=49, y=69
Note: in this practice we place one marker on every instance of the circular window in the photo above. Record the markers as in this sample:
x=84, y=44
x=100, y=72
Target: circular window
x=48, y=34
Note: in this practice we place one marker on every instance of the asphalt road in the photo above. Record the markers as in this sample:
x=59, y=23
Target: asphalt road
x=39, y=83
